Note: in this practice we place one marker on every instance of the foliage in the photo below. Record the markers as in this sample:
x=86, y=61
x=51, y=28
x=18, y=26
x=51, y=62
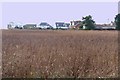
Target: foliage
x=88, y=22
x=117, y=21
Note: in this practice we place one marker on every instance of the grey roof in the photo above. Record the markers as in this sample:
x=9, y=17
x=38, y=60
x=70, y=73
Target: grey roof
x=45, y=24
x=59, y=22
x=31, y=24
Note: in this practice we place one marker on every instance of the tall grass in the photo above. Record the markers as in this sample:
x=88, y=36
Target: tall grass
x=54, y=54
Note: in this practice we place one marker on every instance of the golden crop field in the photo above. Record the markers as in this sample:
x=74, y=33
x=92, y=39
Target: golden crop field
x=59, y=54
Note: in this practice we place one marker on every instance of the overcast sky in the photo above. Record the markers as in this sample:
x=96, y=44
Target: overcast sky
x=51, y=12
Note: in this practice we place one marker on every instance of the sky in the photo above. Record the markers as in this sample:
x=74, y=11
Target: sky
x=119, y=7
x=51, y=12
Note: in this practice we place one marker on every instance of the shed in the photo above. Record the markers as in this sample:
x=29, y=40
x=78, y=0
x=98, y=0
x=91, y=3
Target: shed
x=30, y=26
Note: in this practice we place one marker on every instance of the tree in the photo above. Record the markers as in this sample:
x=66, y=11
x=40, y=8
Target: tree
x=117, y=21
x=88, y=22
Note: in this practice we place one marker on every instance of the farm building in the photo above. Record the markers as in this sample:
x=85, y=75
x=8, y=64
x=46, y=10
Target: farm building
x=30, y=26
x=44, y=25
x=75, y=24
x=11, y=25
x=62, y=25
x=110, y=26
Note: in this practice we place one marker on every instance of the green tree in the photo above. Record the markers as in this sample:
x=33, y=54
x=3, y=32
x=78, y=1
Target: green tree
x=117, y=21
x=88, y=22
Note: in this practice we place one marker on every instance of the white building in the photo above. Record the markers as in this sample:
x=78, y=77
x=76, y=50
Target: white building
x=11, y=25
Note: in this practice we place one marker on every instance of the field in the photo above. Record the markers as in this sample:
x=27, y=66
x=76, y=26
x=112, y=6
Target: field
x=59, y=53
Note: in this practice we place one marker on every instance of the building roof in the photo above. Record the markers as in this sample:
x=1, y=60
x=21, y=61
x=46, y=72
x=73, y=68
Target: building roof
x=30, y=24
x=59, y=22
x=45, y=24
